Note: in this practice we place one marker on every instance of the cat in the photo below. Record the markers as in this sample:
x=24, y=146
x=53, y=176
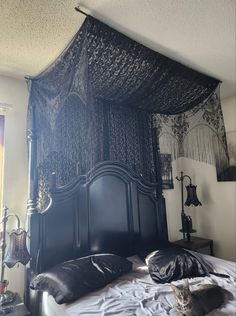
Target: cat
x=200, y=301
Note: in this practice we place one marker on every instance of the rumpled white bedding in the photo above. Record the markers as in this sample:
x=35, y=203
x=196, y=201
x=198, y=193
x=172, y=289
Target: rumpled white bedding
x=136, y=294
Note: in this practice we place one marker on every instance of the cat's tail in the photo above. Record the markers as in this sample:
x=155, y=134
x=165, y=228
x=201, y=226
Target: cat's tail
x=221, y=275
x=228, y=296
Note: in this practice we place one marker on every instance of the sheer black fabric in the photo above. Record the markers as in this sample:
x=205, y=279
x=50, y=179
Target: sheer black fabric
x=98, y=102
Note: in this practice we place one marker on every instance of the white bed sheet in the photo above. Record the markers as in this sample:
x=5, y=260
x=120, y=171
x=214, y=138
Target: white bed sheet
x=136, y=294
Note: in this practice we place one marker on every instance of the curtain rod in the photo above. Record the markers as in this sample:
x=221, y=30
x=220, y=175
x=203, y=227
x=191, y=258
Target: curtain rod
x=79, y=10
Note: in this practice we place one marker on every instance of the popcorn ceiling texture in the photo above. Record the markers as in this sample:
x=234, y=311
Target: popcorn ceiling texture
x=198, y=33
x=33, y=33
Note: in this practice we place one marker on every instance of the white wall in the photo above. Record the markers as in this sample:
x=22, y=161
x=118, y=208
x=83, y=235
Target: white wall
x=15, y=92
x=216, y=219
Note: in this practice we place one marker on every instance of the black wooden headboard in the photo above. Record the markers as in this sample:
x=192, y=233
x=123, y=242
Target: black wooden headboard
x=110, y=209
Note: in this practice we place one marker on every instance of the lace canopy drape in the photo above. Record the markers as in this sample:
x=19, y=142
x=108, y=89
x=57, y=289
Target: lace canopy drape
x=103, y=99
x=198, y=133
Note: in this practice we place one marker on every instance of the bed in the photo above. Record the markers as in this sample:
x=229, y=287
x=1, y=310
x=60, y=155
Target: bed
x=109, y=210
x=137, y=294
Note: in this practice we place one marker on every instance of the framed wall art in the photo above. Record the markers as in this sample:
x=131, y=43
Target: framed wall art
x=229, y=172
x=166, y=172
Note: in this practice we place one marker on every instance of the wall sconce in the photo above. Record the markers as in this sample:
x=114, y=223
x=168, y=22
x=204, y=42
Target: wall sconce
x=17, y=252
x=192, y=199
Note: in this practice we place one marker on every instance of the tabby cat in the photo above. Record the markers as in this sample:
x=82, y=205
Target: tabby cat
x=201, y=301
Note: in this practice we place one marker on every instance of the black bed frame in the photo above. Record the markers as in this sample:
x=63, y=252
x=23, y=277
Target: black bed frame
x=109, y=210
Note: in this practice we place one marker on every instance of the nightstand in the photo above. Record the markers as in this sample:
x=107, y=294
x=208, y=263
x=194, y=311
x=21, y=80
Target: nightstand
x=19, y=308
x=195, y=244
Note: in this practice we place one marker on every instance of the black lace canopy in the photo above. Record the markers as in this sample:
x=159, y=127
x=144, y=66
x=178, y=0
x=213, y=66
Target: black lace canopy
x=103, y=98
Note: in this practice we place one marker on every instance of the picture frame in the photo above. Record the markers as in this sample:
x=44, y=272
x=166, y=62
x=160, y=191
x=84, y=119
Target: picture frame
x=229, y=173
x=166, y=171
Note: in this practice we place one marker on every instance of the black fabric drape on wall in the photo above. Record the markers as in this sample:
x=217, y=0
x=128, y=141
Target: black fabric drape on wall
x=197, y=134
x=98, y=102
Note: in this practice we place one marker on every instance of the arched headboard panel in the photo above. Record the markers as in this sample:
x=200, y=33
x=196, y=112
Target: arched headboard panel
x=110, y=209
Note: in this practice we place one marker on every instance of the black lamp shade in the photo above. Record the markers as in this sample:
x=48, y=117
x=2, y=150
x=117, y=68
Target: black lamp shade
x=192, y=198
x=17, y=251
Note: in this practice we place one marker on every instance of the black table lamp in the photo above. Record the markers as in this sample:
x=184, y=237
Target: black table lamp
x=17, y=252
x=192, y=199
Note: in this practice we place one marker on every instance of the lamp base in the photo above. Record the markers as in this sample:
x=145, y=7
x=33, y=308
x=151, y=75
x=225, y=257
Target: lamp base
x=6, y=309
x=188, y=237
x=6, y=298
x=188, y=234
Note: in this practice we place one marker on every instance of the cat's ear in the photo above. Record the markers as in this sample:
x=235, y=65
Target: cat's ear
x=174, y=288
x=186, y=283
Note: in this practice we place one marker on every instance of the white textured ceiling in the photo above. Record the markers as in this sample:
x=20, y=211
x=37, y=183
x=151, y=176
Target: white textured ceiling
x=198, y=33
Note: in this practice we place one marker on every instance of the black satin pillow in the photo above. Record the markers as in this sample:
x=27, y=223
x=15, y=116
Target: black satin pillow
x=145, y=248
x=70, y=280
x=174, y=263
